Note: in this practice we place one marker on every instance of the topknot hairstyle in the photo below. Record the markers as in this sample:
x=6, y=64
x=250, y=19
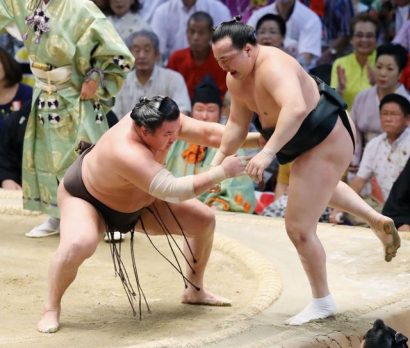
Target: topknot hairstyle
x=153, y=112
x=240, y=33
x=383, y=336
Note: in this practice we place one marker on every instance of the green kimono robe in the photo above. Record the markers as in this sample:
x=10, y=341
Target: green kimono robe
x=78, y=37
x=237, y=194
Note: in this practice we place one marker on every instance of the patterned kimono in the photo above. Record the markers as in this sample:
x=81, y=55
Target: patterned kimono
x=237, y=194
x=67, y=41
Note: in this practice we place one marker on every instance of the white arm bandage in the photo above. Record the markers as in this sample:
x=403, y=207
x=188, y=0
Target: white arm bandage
x=168, y=188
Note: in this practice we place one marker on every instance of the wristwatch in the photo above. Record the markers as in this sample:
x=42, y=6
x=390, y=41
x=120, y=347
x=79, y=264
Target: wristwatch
x=333, y=51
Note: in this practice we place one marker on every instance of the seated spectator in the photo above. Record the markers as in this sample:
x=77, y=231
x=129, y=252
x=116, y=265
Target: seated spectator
x=353, y=73
x=336, y=30
x=11, y=147
x=303, y=29
x=403, y=38
x=383, y=336
x=197, y=60
x=103, y=5
x=245, y=8
x=397, y=205
x=124, y=16
x=13, y=93
x=149, y=79
x=385, y=156
x=148, y=9
x=236, y=194
x=384, y=12
x=390, y=62
x=271, y=31
x=401, y=13
x=170, y=21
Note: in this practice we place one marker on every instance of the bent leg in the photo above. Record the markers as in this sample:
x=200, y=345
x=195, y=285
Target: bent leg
x=80, y=232
x=346, y=199
x=198, y=223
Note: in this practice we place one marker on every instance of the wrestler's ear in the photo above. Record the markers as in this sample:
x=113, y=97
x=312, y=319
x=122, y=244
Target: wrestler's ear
x=144, y=131
x=248, y=49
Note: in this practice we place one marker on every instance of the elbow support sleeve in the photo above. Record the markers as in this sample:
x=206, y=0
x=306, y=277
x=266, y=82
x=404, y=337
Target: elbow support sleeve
x=168, y=188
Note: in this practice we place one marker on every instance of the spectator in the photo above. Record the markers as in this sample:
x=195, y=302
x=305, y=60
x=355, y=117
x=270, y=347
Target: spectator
x=149, y=79
x=11, y=147
x=148, y=9
x=336, y=29
x=390, y=62
x=271, y=31
x=303, y=28
x=236, y=194
x=13, y=93
x=386, y=155
x=383, y=336
x=397, y=205
x=197, y=60
x=353, y=73
x=401, y=13
x=70, y=106
x=245, y=8
x=123, y=14
x=170, y=21
x=402, y=37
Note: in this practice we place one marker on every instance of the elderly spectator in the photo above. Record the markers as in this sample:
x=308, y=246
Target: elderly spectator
x=197, y=60
x=148, y=79
x=303, y=28
x=170, y=21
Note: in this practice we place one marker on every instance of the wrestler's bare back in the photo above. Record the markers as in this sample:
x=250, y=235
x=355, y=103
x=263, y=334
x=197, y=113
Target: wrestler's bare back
x=102, y=171
x=271, y=73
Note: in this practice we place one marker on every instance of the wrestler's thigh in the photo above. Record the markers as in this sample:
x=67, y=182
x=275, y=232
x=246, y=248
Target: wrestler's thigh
x=80, y=221
x=191, y=215
x=314, y=176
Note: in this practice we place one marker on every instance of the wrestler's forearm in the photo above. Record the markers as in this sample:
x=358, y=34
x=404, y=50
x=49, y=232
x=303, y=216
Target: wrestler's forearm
x=253, y=140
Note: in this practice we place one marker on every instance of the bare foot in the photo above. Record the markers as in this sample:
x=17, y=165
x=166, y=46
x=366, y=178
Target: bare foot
x=49, y=322
x=384, y=228
x=203, y=297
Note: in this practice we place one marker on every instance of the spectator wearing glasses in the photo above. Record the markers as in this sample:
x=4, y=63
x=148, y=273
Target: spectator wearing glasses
x=353, y=73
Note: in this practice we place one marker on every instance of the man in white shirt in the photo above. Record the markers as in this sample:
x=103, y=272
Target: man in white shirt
x=149, y=79
x=170, y=20
x=386, y=155
x=303, y=29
